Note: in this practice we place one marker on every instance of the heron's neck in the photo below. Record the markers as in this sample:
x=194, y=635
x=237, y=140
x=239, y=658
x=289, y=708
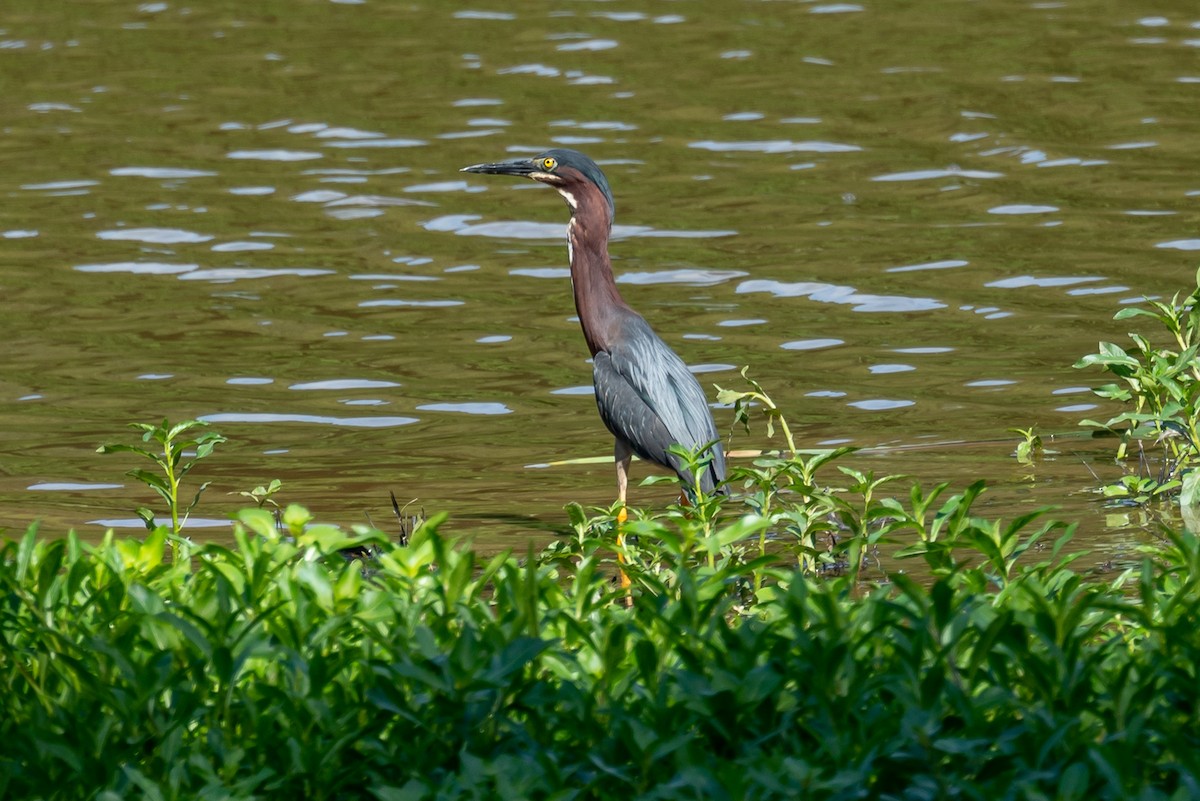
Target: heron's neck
x=597, y=300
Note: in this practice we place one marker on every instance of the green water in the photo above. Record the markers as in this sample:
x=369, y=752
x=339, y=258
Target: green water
x=908, y=218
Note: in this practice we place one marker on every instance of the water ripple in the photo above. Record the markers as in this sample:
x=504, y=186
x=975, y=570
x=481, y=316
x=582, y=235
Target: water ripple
x=240, y=247
x=473, y=133
x=685, y=277
x=1022, y=208
x=595, y=125
x=523, y=229
x=1180, y=244
x=160, y=172
x=154, y=236
x=1132, y=145
x=344, y=383
x=229, y=274
x=67, y=486
x=277, y=154
x=590, y=44
x=485, y=15
x=375, y=201
x=270, y=417
x=394, y=142
x=445, y=186
x=1022, y=281
x=398, y=303
x=466, y=408
x=345, y=133
x=832, y=293
x=881, y=404
x=836, y=8
x=700, y=369
x=540, y=70
x=949, y=172
x=812, y=344
x=138, y=267
x=933, y=265
x=56, y=186
x=774, y=146
x=541, y=272
x=318, y=196
x=44, y=108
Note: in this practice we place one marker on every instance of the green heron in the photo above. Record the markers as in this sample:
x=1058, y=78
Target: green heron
x=647, y=397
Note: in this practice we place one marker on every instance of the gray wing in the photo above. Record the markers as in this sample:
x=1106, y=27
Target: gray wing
x=648, y=398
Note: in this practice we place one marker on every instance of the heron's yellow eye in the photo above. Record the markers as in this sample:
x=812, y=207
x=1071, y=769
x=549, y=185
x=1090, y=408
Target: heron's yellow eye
x=549, y=164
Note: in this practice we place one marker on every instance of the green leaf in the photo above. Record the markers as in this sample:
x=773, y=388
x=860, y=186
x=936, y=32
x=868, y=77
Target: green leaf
x=577, y=515
x=147, y=517
x=728, y=397
x=117, y=448
x=1189, y=495
x=153, y=480
x=260, y=522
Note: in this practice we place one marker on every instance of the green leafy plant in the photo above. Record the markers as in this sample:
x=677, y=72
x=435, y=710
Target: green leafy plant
x=263, y=495
x=1161, y=382
x=745, y=400
x=272, y=667
x=1030, y=445
x=176, y=443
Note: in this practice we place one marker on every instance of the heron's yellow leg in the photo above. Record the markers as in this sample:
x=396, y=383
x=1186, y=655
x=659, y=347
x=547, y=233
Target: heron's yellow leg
x=623, y=456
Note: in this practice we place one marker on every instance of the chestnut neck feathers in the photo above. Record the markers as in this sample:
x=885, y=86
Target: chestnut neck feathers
x=597, y=301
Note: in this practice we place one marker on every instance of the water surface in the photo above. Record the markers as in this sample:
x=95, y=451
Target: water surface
x=909, y=220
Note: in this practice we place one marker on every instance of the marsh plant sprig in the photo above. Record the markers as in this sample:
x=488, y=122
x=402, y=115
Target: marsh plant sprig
x=1162, y=385
x=1030, y=446
x=263, y=494
x=175, y=444
x=744, y=400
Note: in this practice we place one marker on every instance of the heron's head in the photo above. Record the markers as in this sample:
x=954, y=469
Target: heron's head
x=573, y=174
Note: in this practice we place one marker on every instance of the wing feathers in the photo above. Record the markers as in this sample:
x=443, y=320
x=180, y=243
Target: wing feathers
x=648, y=398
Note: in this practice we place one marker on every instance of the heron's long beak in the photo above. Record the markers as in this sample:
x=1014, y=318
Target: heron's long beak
x=520, y=167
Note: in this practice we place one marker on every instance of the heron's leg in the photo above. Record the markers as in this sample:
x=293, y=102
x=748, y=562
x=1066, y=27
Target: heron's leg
x=622, y=455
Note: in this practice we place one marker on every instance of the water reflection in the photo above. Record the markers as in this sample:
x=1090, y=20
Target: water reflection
x=274, y=154
x=474, y=407
x=521, y=229
x=812, y=344
x=155, y=236
x=342, y=384
x=1022, y=208
x=933, y=265
x=70, y=486
x=315, y=419
x=138, y=268
x=832, y=293
x=775, y=146
x=949, y=172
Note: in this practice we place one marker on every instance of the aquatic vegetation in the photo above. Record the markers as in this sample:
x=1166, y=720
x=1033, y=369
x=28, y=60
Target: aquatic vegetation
x=1160, y=386
x=170, y=462
x=1030, y=445
x=263, y=494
